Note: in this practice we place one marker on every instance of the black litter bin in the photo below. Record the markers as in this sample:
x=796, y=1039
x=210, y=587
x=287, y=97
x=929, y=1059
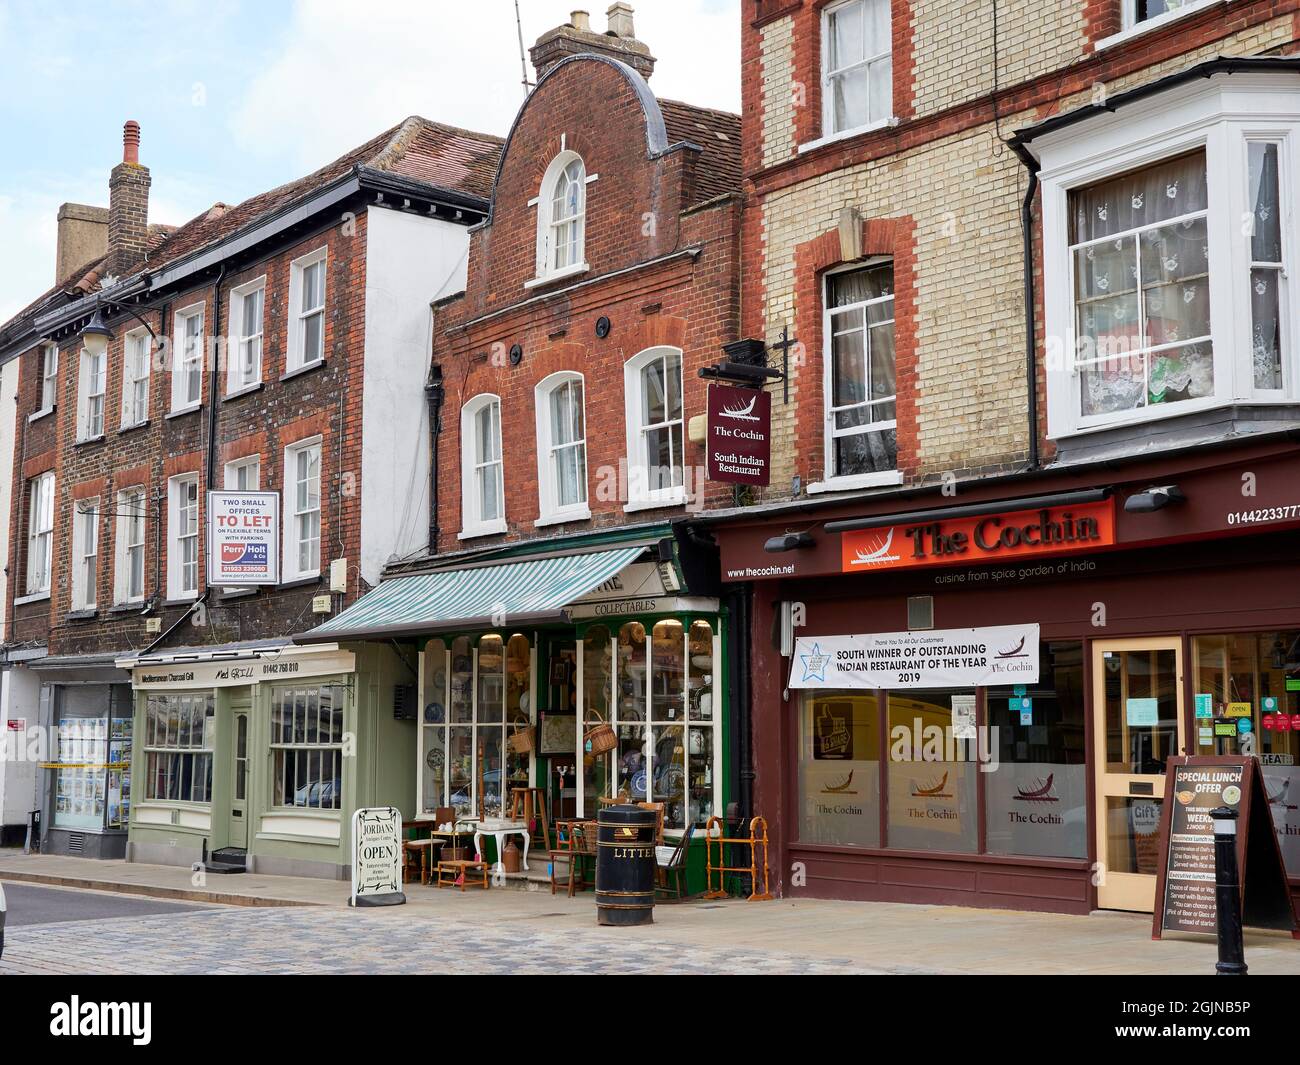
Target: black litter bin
x=625, y=865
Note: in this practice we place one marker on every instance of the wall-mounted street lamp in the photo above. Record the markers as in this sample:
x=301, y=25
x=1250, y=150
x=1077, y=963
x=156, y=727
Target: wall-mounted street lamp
x=95, y=335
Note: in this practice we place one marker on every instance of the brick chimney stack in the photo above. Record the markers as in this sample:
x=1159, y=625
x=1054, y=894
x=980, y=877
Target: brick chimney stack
x=128, y=207
x=576, y=37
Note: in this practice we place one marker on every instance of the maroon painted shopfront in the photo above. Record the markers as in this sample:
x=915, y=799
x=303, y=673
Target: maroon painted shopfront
x=1167, y=625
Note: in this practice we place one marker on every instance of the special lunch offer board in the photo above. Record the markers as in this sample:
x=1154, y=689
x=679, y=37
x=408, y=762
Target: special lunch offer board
x=1185, y=884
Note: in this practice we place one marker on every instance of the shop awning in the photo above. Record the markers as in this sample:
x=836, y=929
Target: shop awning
x=508, y=594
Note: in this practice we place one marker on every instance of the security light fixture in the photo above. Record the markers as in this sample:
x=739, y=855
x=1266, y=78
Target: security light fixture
x=789, y=542
x=1154, y=499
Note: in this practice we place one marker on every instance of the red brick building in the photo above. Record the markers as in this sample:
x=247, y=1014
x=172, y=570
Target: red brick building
x=605, y=277
x=276, y=345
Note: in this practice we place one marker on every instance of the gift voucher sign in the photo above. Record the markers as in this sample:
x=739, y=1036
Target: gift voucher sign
x=243, y=538
x=938, y=658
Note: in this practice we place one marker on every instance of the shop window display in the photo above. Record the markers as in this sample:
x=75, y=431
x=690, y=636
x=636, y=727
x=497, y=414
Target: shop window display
x=931, y=791
x=597, y=686
x=475, y=698
x=1247, y=701
x=180, y=734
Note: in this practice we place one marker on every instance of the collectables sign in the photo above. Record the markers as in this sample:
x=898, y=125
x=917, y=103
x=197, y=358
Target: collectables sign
x=1185, y=885
x=938, y=658
x=739, y=445
x=243, y=538
x=377, y=857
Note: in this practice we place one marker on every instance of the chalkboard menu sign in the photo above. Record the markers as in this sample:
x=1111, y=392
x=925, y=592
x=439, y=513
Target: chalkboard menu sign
x=1185, y=885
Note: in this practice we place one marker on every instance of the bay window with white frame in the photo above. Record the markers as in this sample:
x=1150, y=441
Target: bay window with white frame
x=85, y=554
x=40, y=533
x=306, y=311
x=187, y=359
x=244, y=350
x=483, y=508
x=179, y=742
x=860, y=379
x=183, y=536
x=136, y=353
x=128, y=562
x=561, y=449
x=857, y=67
x=1168, y=239
x=302, y=522
x=656, y=460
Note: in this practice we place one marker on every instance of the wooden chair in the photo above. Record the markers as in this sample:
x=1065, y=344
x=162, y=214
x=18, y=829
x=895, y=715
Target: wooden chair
x=524, y=802
x=658, y=808
x=417, y=851
x=671, y=862
x=577, y=846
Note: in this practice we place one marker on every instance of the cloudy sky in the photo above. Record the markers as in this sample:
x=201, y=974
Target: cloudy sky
x=237, y=96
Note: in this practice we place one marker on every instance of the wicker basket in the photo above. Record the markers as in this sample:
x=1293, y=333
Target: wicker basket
x=521, y=742
x=600, y=738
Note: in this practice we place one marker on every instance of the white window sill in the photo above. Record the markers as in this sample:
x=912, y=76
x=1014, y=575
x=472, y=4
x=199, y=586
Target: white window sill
x=558, y=275
x=126, y=427
x=175, y=598
x=1150, y=24
x=35, y=597
x=676, y=498
x=243, y=390
x=176, y=412
x=494, y=528
x=94, y=438
x=1158, y=412
x=560, y=517
x=848, y=134
x=36, y=416
x=853, y=484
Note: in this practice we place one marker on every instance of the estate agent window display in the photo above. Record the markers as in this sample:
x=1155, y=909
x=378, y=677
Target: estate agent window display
x=932, y=792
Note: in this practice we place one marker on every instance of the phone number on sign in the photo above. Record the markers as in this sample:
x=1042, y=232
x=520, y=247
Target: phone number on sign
x=1254, y=517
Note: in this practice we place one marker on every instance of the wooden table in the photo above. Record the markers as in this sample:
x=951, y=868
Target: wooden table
x=450, y=872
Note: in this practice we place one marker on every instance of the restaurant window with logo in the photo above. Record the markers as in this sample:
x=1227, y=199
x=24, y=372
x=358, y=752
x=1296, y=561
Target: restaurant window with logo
x=1015, y=752
x=1035, y=800
x=1247, y=701
x=839, y=769
x=478, y=694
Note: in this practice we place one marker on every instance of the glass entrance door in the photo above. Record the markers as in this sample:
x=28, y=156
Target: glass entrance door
x=1137, y=696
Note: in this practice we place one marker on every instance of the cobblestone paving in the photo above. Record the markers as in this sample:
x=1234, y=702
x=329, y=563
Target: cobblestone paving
x=323, y=940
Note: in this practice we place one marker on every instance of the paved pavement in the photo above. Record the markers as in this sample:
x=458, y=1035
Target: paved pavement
x=33, y=904
x=239, y=941
x=288, y=924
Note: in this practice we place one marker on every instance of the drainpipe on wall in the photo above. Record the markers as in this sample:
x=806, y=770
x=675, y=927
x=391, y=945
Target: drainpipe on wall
x=214, y=382
x=1031, y=294
x=434, y=393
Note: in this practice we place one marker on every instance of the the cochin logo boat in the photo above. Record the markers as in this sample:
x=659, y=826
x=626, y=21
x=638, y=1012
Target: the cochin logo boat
x=840, y=787
x=878, y=553
x=935, y=790
x=1038, y=791
x=742, y=414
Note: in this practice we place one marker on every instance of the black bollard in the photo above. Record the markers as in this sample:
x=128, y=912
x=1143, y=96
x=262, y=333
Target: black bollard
x=1227, y=894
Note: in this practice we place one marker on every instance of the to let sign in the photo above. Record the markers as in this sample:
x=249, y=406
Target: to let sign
x=739, y=444
x=243, y=538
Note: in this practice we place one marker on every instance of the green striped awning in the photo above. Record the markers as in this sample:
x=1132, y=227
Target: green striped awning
x=527, y=591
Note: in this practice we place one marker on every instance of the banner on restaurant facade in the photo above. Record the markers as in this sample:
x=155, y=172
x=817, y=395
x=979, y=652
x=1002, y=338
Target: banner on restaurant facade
x=937, y=658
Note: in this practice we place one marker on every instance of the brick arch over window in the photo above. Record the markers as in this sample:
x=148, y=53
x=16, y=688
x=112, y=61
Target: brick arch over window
x=893, y=237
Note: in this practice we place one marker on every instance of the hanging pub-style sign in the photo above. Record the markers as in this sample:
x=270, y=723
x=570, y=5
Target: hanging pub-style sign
x=739, y=444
